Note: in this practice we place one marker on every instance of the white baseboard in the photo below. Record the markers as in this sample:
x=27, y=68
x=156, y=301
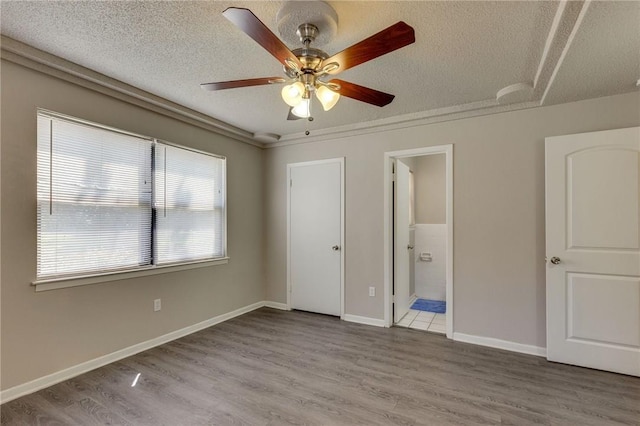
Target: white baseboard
x=60, y=376
x=500, y=344
x=364, y=320
x=277, y=305
x=57, y=377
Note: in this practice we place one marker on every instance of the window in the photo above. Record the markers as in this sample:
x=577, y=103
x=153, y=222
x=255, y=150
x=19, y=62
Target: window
x=111, y=201
x=189, y=205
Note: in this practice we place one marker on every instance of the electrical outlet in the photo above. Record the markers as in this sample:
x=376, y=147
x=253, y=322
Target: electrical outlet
x=372, y=291
x=157, y=305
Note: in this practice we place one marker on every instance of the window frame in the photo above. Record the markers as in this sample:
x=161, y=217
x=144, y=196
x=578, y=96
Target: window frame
x=72, y=280
x=224, y=208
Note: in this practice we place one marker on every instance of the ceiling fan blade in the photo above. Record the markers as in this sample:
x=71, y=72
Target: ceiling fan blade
x=254, y=28
x=387, y=40
x=241, y=83
x=363, y=94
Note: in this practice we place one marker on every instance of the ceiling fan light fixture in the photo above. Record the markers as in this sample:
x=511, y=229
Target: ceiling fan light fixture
x=306, y=65
x=327, y=97
x=303, y=109
x=292, y=93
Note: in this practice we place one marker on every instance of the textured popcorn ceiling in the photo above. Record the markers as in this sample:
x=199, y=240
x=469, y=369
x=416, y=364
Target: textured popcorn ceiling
x=465, y=52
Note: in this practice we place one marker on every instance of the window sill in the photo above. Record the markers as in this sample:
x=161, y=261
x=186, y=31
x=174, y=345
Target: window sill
x=56, y=283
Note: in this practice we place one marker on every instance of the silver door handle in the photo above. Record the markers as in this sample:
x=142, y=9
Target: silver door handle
x=555, y=260
x=335, y=248
x=409, y=247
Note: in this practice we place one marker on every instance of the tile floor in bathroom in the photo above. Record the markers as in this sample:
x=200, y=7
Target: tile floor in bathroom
x=422, y=320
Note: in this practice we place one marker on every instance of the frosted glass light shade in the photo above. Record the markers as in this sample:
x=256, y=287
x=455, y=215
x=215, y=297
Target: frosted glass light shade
x=303, y=109
x=292, y=93
x=327, y=97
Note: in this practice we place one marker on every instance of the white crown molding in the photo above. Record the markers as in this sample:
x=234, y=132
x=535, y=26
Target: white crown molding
x=566, y=23
x=38, y=60
x=581, y=12
x=551, y=37
x=439, y=115
x=46, y=63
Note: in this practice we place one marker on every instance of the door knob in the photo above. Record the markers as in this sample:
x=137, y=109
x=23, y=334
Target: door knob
x=335, y=248
x=409, y=247
x=555, y=260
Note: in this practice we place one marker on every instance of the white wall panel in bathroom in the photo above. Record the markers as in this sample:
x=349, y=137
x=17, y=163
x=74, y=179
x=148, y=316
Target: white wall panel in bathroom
x=430, y=277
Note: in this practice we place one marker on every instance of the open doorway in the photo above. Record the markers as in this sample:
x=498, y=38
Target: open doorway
x=419, y=239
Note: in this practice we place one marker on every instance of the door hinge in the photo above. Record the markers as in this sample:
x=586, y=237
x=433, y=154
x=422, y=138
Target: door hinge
x=290, y=183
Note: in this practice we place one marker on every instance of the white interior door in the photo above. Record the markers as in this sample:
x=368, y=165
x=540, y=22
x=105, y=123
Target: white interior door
x=401, y=241
x=593, y=250
x=315, y=236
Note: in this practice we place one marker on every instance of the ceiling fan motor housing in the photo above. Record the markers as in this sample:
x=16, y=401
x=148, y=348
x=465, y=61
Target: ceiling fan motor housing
x=310, y=57
x=320, y=14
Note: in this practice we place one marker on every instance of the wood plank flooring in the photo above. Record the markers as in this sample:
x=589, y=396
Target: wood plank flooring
x=271, y=367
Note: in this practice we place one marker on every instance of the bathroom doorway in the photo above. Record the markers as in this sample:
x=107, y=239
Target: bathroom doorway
x=419, y=239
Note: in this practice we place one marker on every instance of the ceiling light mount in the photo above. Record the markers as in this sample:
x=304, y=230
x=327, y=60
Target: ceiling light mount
x=320, y=14
x=307, y=33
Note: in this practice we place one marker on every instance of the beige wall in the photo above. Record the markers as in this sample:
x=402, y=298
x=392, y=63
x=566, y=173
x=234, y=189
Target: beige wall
x=429, y=174
x=498, y=219
x=499, y=237
x=48, y=331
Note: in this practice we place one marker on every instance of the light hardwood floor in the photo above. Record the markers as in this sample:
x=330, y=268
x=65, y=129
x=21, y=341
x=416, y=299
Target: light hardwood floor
x=271, y=367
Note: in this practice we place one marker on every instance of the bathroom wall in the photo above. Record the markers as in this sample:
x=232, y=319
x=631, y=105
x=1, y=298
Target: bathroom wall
x=430, y=181
x=429, y=173
x=430, y=276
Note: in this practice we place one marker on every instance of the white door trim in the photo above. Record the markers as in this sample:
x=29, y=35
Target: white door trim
x=388, y=227
x=290, y=166
x=402, y=254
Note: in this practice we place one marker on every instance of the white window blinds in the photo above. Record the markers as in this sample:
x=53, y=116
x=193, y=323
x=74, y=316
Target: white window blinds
x=110, y=201
x=189, y=201
x=94, y=199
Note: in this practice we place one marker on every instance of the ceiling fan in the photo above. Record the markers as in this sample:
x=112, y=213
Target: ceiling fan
x=307, y=68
